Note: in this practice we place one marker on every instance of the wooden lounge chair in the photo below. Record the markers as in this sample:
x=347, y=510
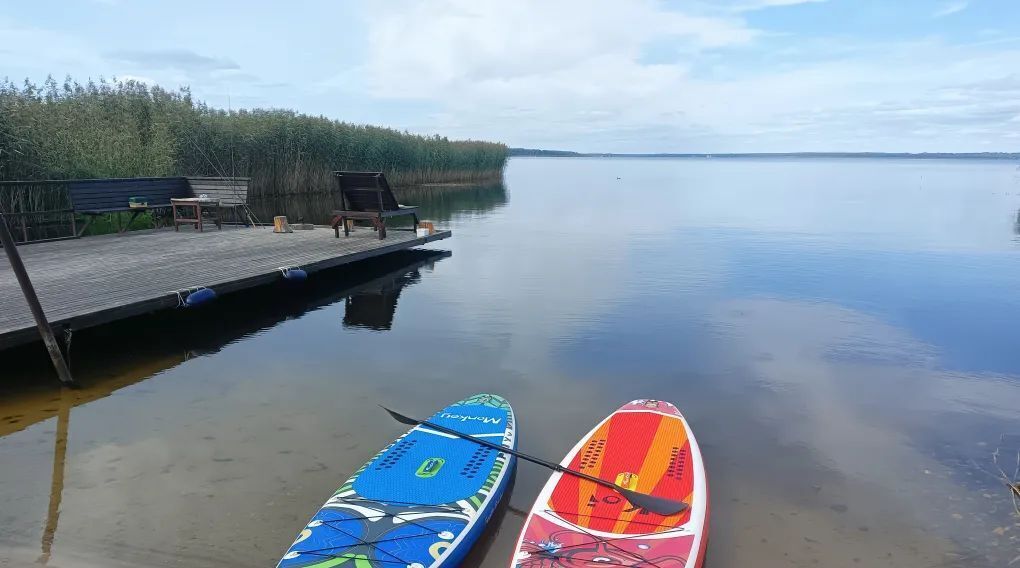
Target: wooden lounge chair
x=366, y=195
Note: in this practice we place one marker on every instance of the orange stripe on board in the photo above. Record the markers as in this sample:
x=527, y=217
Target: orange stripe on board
x=586, y=488
x=672, y=488
x=638, y=443
x=668, y=435
x=630, y=440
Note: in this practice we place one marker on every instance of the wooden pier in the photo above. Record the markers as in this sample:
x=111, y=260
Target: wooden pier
x=96, y=280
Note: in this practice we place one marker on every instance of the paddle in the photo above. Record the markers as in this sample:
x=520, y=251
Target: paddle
x=658, y=505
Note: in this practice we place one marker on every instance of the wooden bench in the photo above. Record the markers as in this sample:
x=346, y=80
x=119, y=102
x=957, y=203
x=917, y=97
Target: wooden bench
x=232, y=193
x=95, y=197
x=367, y=195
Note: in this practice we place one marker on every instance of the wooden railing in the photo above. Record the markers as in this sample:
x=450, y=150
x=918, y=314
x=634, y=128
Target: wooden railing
x=37, y=210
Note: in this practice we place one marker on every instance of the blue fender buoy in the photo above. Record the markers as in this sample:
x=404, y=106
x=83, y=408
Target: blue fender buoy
x=294, y=274
x=199, y=297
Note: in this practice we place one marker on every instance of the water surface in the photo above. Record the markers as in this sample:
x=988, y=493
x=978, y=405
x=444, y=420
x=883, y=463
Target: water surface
x=841, y=334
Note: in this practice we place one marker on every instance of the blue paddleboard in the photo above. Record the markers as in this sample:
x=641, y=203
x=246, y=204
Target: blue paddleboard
x=422, y=501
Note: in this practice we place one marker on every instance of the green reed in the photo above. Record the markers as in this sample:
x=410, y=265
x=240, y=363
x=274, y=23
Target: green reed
x=127, y=129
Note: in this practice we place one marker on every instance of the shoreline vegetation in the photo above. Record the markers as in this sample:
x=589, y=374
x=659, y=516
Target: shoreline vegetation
x=533, y=152
x=116, y=129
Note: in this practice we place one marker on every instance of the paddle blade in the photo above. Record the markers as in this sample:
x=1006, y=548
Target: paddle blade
x=400, y=417
x=657, y=505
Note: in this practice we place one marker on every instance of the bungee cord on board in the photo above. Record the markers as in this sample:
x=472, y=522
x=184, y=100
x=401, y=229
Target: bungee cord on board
x=396, y=515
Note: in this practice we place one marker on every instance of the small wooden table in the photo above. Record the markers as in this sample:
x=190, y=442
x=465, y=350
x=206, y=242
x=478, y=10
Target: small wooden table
x=197, y=206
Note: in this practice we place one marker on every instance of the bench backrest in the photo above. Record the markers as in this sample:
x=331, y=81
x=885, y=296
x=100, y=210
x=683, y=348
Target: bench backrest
x=112, y=194
x=366, y=191
x=230, y=191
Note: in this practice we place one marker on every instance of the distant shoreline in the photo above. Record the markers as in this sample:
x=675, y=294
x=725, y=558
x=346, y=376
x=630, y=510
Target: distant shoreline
x=529, y=152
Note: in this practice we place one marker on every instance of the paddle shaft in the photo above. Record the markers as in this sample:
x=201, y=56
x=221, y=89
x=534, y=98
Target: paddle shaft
x=655, y=504
x=521, y=455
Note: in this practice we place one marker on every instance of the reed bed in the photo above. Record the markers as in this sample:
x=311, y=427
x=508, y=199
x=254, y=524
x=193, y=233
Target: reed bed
x=129, y=129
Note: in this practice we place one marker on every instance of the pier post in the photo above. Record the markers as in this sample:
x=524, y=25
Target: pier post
x=63, y=372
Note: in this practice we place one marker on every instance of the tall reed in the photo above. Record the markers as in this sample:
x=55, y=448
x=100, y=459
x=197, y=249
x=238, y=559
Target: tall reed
x=127, y=129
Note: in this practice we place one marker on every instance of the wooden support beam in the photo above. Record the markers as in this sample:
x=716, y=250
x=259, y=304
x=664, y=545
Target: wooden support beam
x=63, y=372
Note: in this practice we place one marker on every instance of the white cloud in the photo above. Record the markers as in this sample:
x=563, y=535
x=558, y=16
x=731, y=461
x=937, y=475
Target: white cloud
x=439, y=47
x=750, y=5
x=184, y=59
x=558, y=75
x=642, y=75
x=566, y=65
x=950, y=8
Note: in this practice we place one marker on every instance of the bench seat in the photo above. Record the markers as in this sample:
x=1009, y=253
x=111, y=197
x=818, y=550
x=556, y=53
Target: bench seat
x=120, y=209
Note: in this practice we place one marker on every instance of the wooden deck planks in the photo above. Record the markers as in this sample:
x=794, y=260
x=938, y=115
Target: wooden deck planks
x=95, y=280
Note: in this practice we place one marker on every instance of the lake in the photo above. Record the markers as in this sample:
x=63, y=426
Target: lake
x=841, y=334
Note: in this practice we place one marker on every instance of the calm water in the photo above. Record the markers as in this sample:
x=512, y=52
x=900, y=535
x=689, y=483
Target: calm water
x=842, y=335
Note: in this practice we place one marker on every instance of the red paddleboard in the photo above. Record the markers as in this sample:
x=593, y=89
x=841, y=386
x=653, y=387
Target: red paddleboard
x=645, y=446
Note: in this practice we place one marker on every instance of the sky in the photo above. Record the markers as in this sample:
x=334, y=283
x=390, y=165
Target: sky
x=587, y=75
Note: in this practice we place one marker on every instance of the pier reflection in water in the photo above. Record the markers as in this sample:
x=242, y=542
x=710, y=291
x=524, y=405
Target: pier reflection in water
x=374, y=306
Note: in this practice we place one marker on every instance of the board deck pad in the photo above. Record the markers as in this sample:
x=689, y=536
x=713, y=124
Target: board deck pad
x=420, y=502
x=645, y=446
